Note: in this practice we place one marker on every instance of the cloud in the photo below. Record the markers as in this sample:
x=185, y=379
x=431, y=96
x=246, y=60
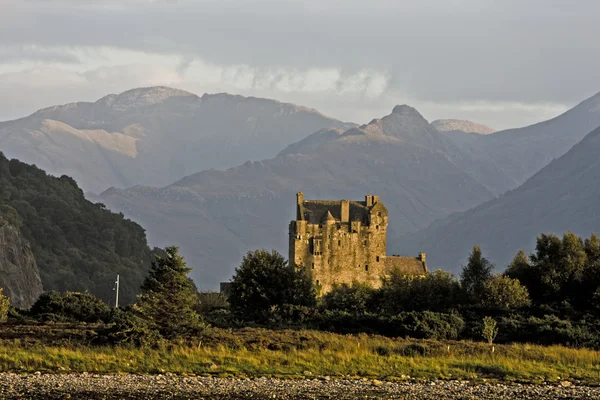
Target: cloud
x=359, y=56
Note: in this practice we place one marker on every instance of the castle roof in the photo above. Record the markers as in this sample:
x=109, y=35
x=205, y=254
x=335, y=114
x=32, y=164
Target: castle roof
x=315, y=211
x=407, y=265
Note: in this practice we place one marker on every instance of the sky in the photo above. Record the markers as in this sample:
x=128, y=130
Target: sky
x=502, y=63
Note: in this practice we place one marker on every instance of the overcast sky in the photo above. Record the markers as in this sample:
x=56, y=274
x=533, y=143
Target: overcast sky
x=503, y=63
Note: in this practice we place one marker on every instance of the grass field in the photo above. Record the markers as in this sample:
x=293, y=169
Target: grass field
x=295, y=354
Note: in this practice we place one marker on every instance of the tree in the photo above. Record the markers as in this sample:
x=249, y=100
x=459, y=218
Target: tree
x=356, y=298
x=437, y=291
x=4, y=306
x=169, y=300
x=502, y=292
x=264, y=284
x=474, y=275
x=490, y=329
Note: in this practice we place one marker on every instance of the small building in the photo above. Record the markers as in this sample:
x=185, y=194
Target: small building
x=342, y=241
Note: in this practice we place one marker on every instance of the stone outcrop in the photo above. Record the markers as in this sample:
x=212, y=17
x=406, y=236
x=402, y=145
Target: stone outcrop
x=19, y=274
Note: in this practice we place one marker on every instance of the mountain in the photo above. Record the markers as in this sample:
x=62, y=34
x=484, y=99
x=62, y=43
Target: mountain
x=565, y=195
x=77, y=245
x=217, y=216
x=520, y=153
x=155, y=136
x=19, y=274
x=450, y=125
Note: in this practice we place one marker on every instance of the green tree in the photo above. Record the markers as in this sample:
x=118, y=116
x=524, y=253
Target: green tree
x=502, y=292
x=265, y=284
x=490, y=329
x=70, y=306
x=356, y=298
x=475, y=274
x=4, y=306
x=437, y=291
x=169, y=300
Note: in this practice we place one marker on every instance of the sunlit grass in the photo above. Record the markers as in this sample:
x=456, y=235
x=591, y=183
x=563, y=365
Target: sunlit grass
x=295, y=354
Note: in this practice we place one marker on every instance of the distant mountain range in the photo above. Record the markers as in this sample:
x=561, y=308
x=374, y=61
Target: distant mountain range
x=565, y=195
x=155, y=136
x=423, y=171
x=217, y=216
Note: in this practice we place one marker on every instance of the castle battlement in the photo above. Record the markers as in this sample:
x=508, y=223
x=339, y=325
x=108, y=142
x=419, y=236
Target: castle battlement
x=342, y=241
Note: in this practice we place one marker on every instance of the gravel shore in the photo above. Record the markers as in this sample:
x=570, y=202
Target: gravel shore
x=90, y=386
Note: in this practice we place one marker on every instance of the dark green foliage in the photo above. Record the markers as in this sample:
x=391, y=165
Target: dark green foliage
x=126, y=327
x=428, y=325
x=357, y=298
x=475, y=274
x=69, y=306
x=77, y=245
x=211, y=301
x=561, y=271
x=438, y=291
x=265, y=285
x=169, y=298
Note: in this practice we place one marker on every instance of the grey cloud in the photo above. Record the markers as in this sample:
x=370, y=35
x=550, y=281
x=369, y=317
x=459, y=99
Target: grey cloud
x=444, y=52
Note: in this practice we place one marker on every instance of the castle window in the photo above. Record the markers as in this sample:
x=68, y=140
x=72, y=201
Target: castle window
x=317, y=281
x=377, y=227
x=365, y=242
x=313, y=265
x=379, y=214
x=339, y=242
x=377, y=258
x=366, y=267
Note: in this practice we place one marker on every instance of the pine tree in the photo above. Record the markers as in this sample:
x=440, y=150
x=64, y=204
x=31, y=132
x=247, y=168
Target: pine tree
x=169, y=298
x=475, y=274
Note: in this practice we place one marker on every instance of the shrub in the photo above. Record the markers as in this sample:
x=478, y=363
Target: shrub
x=4, y=307
x=127, y=328
x=70, y=306
x=438, y=291
x=428, y=325
x=355, y=299
x=502, y=292
x=211, y=301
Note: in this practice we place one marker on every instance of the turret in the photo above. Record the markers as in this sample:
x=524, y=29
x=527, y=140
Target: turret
x=299, y=202
x=345, y=208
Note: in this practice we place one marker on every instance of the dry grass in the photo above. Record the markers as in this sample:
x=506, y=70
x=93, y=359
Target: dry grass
x=252, y=352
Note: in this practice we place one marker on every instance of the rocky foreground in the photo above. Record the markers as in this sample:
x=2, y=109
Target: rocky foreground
x=88, y=386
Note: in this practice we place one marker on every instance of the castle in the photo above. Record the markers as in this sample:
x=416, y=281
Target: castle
x=345, y=241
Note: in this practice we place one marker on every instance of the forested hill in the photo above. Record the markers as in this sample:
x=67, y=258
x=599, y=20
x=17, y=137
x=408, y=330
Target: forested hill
x=78, y=245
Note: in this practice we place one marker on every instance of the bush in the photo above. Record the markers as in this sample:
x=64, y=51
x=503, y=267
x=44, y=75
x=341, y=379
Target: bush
x=428, y=325
x=127, y=328
x=438, y=291
x=69, y=306
x=357, y=298
x=211, y=301
x=4, y=307
x=502, y=292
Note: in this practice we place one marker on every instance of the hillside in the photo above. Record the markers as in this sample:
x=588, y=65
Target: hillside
x=155, y=136
x=449, y=125
x=217, y=216
x=562, y=196
x=520, y=153
x=77, y=245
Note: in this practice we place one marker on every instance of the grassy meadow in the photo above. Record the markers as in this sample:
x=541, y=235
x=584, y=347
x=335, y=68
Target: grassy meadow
x=296, y=354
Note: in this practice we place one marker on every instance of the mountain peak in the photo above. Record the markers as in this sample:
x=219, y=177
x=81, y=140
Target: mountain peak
x=445, y=125
x=403, y=109
x=142, y=97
